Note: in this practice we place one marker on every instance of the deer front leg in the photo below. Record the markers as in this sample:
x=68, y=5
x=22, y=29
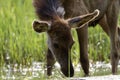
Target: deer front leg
x=83, y=42
x=50, y=62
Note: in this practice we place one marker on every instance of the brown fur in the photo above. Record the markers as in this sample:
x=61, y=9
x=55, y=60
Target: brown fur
x=109, y=10
x=58, y=29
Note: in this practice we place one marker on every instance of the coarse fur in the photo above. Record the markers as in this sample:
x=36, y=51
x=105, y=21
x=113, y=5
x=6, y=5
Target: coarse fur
x=107, y=19
x=47, y=9
x=58, y=29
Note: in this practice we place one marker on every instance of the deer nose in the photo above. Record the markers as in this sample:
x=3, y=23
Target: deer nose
x=68, y=71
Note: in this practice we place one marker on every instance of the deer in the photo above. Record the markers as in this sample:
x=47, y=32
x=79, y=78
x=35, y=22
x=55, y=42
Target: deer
x=58, y=17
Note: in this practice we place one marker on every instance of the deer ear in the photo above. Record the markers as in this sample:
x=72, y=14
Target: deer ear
x=78, y=22
x=41, y=26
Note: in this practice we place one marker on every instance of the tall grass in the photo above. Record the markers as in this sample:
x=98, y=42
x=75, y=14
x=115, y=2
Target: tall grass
x=23, y=45
x=17, y=38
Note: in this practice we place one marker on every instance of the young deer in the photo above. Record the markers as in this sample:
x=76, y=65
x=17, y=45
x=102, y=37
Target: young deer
x=51, y=20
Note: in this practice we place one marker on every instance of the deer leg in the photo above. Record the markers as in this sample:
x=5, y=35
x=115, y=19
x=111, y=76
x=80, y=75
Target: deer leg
x=112, y=23
x=83, y=42
x=50, y=62
x=103, y=23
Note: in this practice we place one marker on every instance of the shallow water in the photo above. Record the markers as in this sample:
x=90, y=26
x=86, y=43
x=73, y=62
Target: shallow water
x=38, y=70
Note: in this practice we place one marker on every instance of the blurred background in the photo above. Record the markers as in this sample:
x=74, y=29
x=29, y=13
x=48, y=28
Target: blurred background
x=22, y=49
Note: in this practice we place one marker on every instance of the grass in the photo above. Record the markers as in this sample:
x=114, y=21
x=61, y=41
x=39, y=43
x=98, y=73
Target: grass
x=17, y=37
x=21, y=45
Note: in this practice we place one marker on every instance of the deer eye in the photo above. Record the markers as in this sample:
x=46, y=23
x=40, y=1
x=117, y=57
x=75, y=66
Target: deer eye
x=56, y=45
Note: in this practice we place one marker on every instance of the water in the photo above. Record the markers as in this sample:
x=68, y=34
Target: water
x=12, y=72
x=37, y=69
